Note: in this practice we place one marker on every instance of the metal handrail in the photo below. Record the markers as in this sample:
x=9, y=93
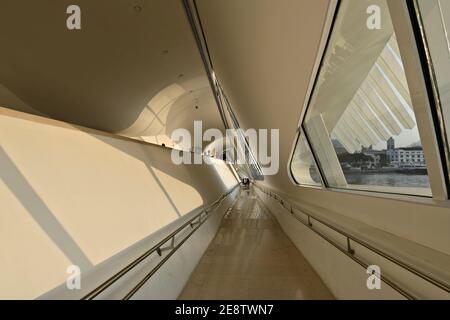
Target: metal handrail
x=158, y=248
x=350, y=252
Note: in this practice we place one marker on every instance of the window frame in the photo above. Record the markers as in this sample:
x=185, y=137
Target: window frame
x=432, y=88
x=416, y=65
x=291, y=173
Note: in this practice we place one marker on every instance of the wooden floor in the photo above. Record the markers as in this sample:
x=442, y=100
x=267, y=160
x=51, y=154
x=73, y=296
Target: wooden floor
x=251, y=258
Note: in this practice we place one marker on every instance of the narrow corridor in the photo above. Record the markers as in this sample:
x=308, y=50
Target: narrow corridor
x=252, y=258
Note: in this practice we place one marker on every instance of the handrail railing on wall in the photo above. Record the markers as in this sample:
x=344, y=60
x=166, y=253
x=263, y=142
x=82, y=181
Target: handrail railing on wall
x=349, y=251
x=194, y=223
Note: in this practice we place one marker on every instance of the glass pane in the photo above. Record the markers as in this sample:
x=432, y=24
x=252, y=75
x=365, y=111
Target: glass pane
x=303, y=167
x=360, y=120
x=436, y=20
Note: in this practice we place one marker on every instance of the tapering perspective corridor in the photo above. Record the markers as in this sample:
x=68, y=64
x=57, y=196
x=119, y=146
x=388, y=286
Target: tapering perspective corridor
x=252, y=258
x=252, y=151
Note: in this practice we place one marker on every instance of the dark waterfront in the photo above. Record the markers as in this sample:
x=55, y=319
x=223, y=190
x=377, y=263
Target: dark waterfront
x=388, y=179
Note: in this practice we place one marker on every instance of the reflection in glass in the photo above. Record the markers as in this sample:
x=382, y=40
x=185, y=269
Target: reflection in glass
x=360, y=121
x=303, y=167
x=435, y=16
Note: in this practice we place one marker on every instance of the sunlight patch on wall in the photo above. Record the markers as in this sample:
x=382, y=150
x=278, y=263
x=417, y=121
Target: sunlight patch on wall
x=26, y=245
x=224, y=173
x=70, y=197
x=183, y=196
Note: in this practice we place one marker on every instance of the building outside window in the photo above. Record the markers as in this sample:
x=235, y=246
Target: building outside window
x=360, y=120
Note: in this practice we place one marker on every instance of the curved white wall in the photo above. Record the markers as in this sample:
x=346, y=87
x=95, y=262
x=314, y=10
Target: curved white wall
x=76, y=196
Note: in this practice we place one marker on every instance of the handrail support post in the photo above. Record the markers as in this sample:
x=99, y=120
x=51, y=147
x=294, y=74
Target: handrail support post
x=169, y=247
x=349, y=247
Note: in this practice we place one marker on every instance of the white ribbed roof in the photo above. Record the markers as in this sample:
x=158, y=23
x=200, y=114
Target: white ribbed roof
x=381, y=108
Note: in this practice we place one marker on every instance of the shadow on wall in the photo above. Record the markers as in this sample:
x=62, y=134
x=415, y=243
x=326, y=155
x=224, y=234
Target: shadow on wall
x=166, y=173
x=68, y=197
x=31, y=201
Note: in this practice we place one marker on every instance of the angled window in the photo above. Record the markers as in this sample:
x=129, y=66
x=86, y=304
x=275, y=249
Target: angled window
x=360, y=120
x=303, y=167
x=435, y=17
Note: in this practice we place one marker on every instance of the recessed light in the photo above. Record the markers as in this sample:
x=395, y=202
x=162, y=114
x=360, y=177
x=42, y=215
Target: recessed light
x=137, y=8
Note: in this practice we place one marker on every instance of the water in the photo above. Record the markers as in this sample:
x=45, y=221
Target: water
x=389, y=179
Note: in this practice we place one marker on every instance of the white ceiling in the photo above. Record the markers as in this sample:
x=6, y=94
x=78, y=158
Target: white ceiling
x=263, y=52
x=104, y=75
x=109, y=74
